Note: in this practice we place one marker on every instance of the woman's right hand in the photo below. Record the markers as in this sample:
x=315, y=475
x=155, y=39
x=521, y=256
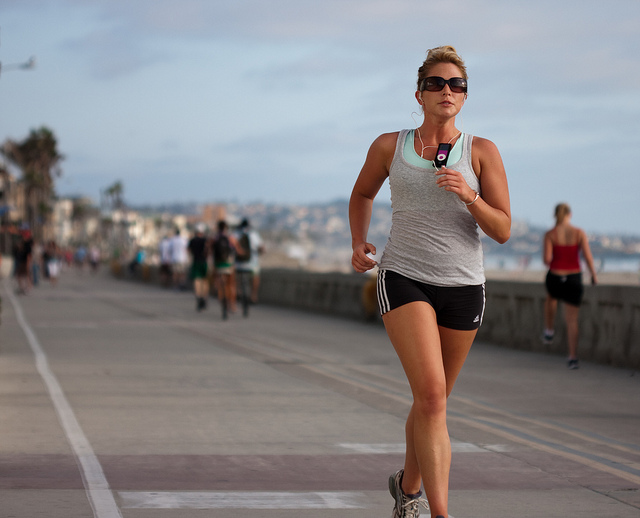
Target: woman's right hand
x=360, y=261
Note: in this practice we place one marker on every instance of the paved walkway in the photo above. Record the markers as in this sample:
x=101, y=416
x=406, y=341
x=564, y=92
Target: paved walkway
x=120, y=400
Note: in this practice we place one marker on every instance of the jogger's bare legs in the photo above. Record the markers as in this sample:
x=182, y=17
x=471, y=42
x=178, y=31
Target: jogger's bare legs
x=550, y=308
x=571, y=321
x=432, y=358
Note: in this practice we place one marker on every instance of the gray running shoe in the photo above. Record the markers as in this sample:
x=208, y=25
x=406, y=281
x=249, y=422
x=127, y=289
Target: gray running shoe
x=405, y=507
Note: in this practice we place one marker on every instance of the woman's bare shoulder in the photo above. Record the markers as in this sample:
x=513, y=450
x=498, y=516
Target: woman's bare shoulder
x=387, y=140
x=383, y=148
x=484, y=146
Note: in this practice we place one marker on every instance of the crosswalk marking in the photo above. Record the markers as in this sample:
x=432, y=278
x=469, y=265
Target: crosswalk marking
x=242, y=500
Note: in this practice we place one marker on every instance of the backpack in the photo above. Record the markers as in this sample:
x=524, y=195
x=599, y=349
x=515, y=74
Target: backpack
x=222, y=250
x=245, y=244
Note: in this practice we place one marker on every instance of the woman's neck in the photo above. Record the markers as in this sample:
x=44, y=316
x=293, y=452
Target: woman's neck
x=436, y=134
x=424, y=144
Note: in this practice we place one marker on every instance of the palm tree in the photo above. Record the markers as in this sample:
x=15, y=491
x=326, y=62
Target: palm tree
x=113, y=200
x=114, y=196
x=39, y=161
x=5, y=237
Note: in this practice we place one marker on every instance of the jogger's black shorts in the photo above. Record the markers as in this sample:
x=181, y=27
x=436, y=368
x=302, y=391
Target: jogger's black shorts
x=456, y=307
x=567, y=288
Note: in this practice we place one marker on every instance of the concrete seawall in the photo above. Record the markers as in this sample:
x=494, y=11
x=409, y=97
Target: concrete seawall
x=609, y=316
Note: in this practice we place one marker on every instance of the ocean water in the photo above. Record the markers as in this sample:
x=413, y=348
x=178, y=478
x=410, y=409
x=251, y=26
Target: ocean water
x=612, y=264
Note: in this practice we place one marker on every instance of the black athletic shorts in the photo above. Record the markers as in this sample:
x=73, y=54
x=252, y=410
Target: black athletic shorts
x=567, y=288
x=456, y=307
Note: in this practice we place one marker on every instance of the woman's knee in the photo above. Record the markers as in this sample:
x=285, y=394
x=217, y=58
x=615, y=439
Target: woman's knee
x=432, y=403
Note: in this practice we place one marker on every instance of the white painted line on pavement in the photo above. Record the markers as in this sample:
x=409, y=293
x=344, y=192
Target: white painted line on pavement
x=242, y=500
x=467, y=447
x=95, y=483
x=456, y=447
x=373, y=447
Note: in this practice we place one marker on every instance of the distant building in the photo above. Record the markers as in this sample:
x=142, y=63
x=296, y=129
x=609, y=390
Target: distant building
x=62, y=228
x=12, y=206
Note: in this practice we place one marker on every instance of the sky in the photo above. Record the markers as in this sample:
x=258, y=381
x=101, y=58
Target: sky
x=278, y=101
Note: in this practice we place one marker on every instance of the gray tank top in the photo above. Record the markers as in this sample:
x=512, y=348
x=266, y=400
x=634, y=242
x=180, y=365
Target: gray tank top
x=434, y=238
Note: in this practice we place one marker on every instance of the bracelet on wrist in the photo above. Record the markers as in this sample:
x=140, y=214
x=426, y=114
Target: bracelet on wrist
x=474, y=200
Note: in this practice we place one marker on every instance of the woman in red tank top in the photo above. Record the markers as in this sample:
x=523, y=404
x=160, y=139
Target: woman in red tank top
x=561, y=252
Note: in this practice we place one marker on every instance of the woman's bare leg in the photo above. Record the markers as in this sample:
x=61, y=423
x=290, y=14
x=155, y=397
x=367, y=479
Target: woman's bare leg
x=571, y=320
x=550, y=308
x=432, y=358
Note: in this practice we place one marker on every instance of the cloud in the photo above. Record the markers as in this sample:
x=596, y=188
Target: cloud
x=113, y=53
x=292, y=92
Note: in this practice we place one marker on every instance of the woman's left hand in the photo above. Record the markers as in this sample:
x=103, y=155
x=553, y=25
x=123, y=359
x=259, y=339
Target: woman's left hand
x=452, y=181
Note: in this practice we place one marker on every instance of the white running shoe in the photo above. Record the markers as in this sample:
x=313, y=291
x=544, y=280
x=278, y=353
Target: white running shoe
x=405, y=507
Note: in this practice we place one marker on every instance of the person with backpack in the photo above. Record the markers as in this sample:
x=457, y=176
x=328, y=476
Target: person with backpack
x=225, y=248
x=198, y=248
x=249, y=262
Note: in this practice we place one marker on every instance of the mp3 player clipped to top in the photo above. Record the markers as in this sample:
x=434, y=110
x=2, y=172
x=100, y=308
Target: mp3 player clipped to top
x=442, y=155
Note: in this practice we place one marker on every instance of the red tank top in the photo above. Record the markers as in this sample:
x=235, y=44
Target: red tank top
x=565, y=257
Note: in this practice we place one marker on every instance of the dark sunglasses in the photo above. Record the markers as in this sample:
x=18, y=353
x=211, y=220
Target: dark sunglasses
x=435, y=84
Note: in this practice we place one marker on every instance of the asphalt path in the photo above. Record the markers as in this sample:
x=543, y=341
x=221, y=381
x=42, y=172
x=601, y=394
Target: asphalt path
x=119, y=399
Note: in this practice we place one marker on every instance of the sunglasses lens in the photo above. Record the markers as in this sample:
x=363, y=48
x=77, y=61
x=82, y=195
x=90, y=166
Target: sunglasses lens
x=435, y=84
x=458, y=85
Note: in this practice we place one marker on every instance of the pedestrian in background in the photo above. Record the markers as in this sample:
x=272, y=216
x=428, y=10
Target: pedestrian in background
x=561, y=253
x=164, y=251
x=36, y=262
x=94, y=258
x=249, y=262
x=80, y=258
x=179, y=260
x=52, y=262
x=225, y=248
x=199, y=248
x=430, y=276
x=22, y=257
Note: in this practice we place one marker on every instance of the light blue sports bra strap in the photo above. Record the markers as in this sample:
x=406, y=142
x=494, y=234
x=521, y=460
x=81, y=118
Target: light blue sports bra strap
x=410, y=155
